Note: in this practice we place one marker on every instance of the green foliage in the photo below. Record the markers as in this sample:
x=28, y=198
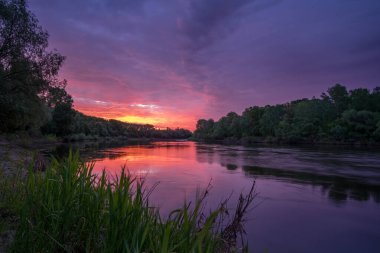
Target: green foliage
x=19, y=110
x=205, y=129
x=251, y=121
x=338, y=115
x=312, y=117
x=62, y=119
x=376, y=133
x=28, y=71
x=375, y=98
x=270, y=119
x=360, y=124
x=67, y=208
x=62, y=114
x=228, y=126
x=360, y=99
x=339, y=96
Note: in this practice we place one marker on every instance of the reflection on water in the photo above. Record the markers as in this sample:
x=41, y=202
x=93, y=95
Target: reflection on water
x=311, y=199
x=338, y=188
x=340, y=174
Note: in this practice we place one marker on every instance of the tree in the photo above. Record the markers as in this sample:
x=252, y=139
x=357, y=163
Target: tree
x=339, y=95
x=360, y=99
x=63, y=116
x=329, y=117
x=23, y=40
x=204, y=129
x=20, y=107
x=251, y=121
x=375, y=99
x=227, y=126
x=360, y=124
x=376, y=133
x=312, y=117
x=271, y=119
x=27, y=69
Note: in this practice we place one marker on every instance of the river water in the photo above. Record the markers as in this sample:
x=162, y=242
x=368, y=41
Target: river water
x=309, y=199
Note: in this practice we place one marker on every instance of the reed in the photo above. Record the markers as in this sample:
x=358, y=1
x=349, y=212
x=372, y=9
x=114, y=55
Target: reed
x=67, y=208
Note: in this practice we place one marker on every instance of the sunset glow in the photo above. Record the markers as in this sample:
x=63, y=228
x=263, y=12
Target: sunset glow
x=159, y=119
x=169, y=63
x=190, y=126
x=143, y=120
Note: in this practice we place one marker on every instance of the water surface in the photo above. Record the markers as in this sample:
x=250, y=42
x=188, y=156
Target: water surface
x=310, y=199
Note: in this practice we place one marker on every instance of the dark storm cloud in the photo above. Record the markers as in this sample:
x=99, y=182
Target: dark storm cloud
x=208, y=20
x=211, y=20
x=125, y=5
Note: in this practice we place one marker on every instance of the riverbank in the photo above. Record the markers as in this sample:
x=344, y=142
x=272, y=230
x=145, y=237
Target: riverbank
x=45, y=209
x=15, y=153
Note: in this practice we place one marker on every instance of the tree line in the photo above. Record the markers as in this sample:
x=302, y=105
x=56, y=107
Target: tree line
x=340, y=115
x=32, y=97
x=85, y=127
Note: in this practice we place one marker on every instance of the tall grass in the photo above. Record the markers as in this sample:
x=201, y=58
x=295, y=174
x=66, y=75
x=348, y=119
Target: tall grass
x=68, y=209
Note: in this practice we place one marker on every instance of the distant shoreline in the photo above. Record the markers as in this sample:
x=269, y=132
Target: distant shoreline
x=273, y=142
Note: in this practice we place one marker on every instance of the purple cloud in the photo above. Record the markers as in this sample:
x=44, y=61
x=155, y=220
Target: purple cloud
x=204, y=58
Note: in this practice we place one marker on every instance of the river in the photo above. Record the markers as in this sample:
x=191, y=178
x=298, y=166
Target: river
x=314, y=199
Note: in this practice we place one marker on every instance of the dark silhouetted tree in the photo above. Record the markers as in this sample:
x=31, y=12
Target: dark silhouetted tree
x=360, y=99
x=339, y=95
x=27, y=69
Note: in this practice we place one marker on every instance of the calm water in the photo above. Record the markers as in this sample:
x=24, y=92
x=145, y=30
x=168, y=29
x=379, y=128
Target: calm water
x=310, y=200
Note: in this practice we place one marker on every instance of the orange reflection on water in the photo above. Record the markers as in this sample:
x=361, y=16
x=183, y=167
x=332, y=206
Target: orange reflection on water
x=163, y=156
x=171, y=164
x=296, y=186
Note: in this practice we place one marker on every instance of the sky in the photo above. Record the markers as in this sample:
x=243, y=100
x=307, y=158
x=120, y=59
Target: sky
x=171, y=62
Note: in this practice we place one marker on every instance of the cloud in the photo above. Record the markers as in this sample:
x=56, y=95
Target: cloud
x=208, y=21
x=176, y=61
x=125, y=5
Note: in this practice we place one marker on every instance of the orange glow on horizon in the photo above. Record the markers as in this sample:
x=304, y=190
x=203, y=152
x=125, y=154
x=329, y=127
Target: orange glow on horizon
x=177, y=112
x=143, y=120
x=161, y=121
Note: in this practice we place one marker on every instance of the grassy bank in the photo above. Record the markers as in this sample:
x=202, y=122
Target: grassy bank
x=68, y=209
